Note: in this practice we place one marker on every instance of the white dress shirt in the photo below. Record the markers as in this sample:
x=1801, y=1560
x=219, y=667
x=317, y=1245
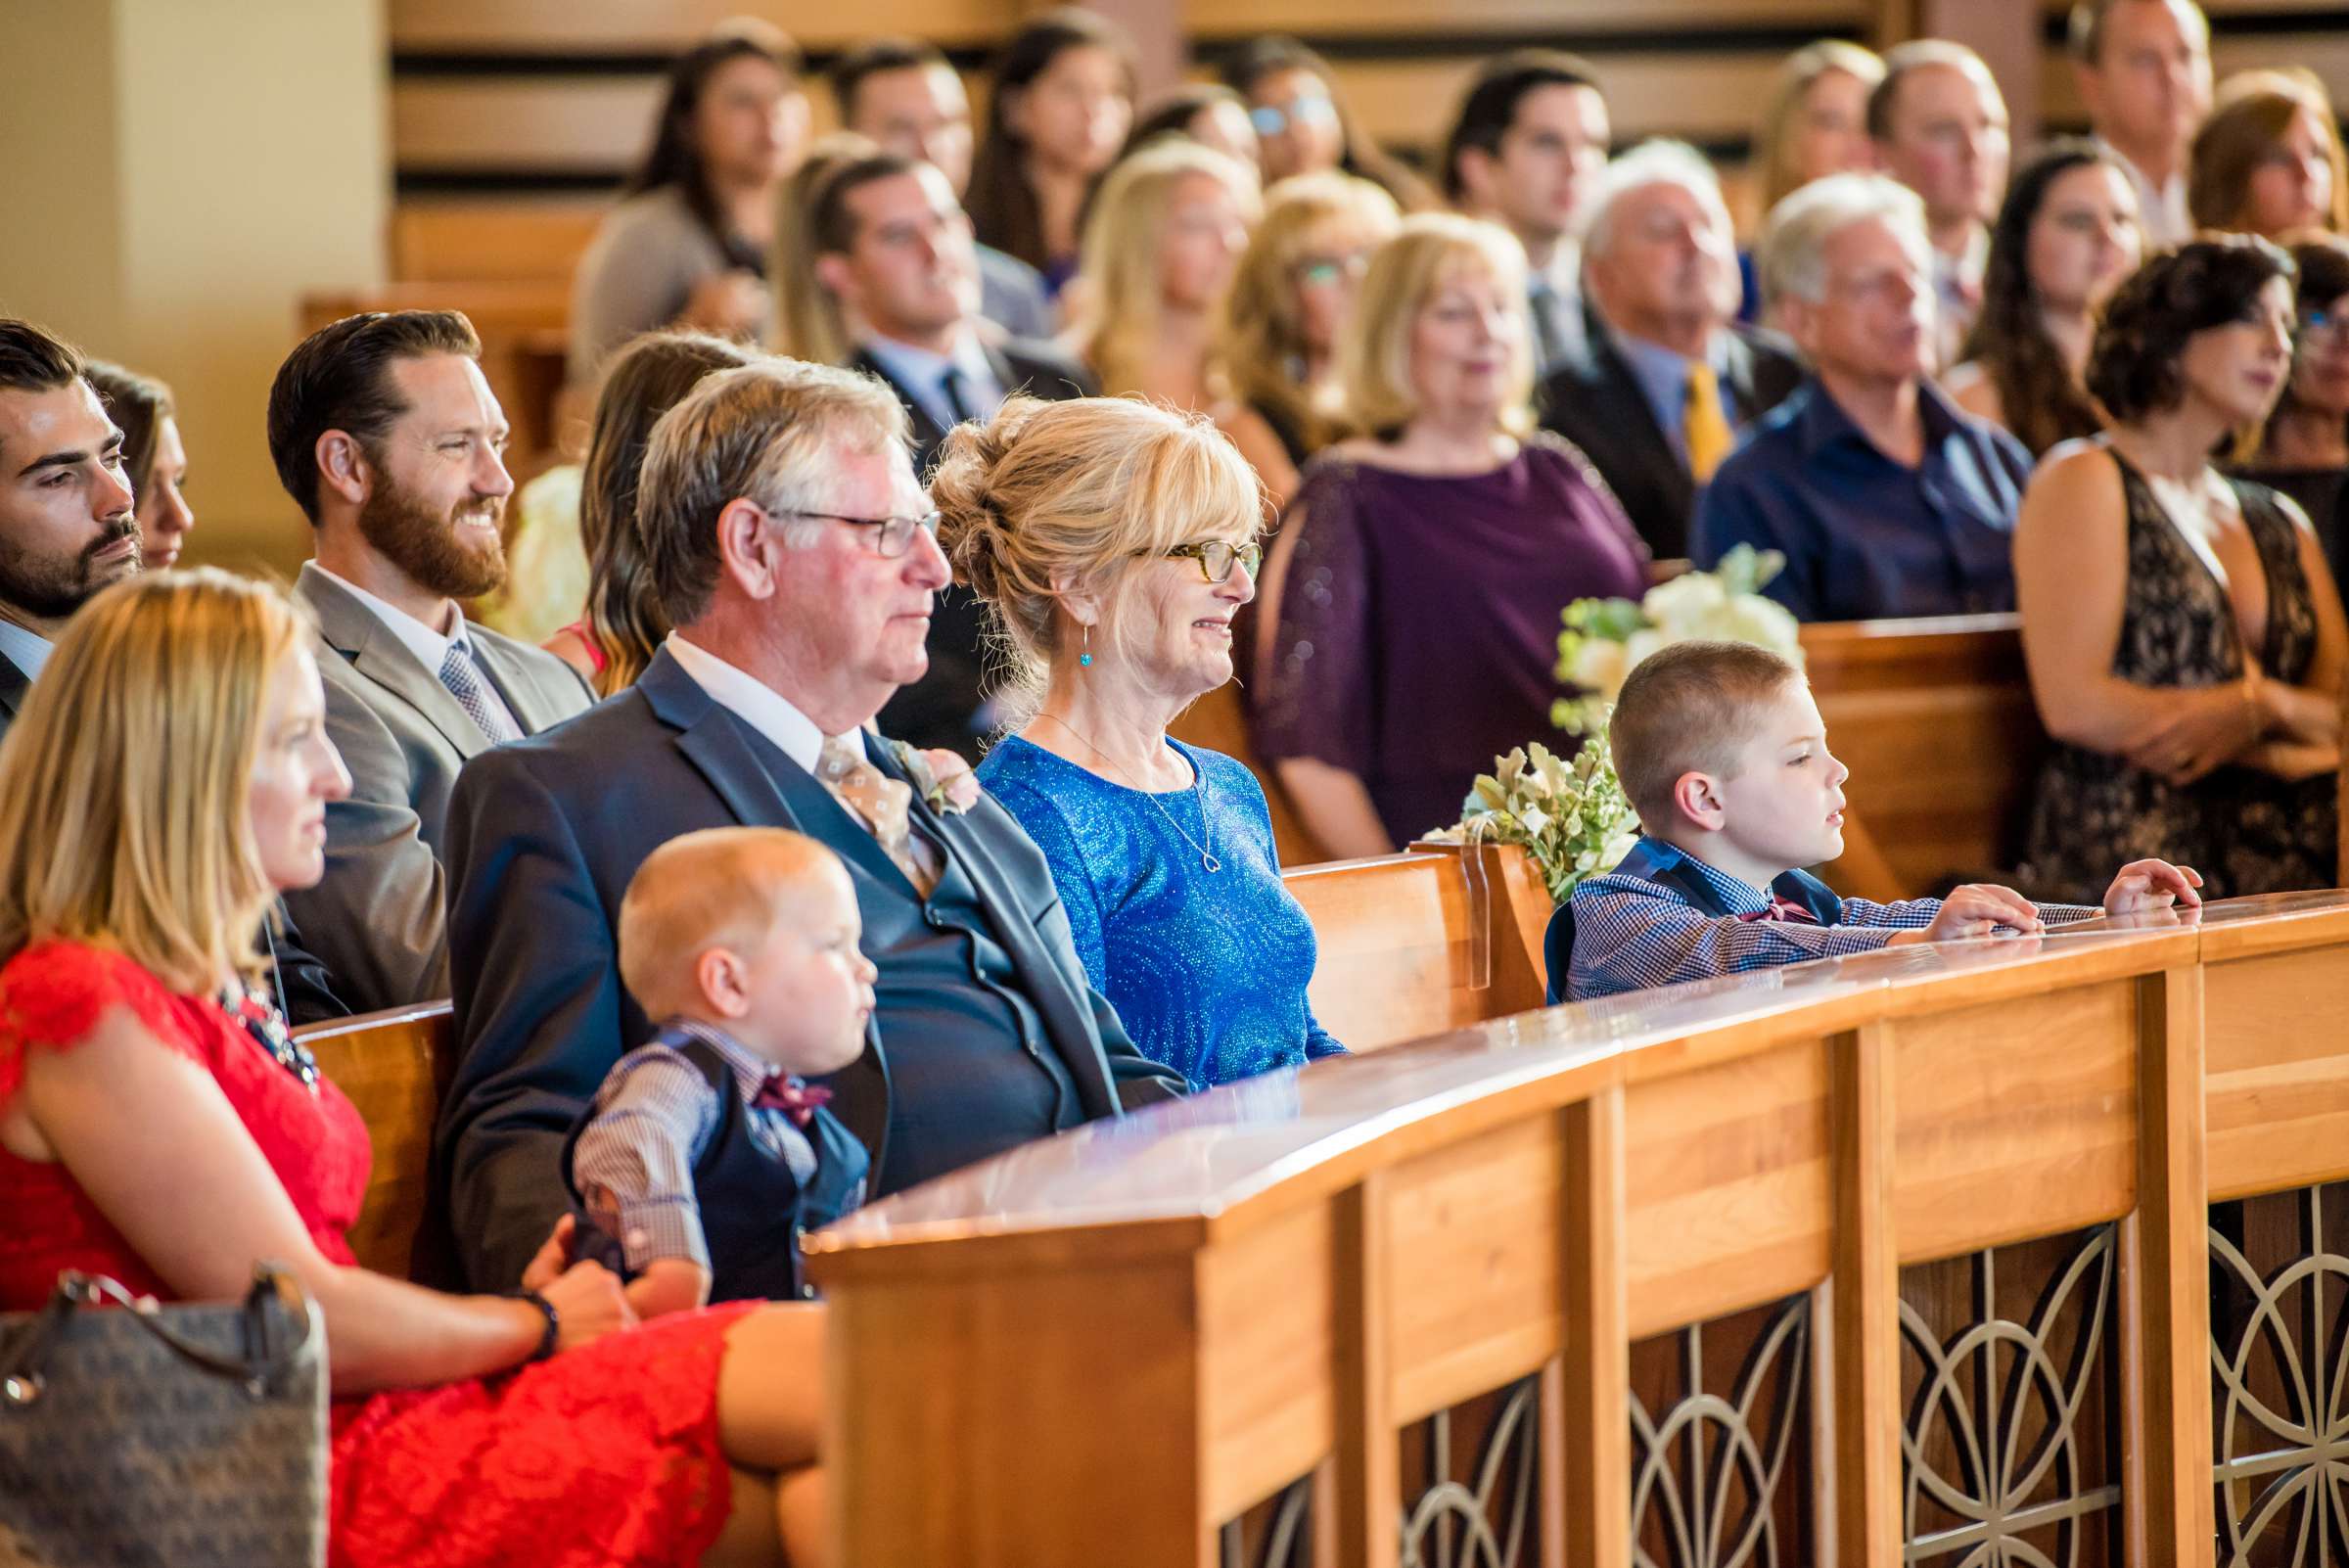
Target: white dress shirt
x=923, y=374
x=2161, y=211
x=754, y=702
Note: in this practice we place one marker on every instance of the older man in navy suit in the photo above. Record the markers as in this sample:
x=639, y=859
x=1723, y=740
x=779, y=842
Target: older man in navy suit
x=793, y=551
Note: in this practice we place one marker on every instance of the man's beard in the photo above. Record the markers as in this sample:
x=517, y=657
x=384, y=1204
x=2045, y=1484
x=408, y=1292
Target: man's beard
x=53, y=588
x=426, y=545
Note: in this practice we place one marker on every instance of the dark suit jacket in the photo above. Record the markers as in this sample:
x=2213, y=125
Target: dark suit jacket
x=542, y=837
x=941, y=708
x=1594, y=401
x=13, y=684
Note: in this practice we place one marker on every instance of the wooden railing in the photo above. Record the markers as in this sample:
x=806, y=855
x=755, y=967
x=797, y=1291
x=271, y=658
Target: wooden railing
x=1894, y=1254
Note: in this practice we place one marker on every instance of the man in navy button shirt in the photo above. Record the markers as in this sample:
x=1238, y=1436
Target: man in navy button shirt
x=1885, y=498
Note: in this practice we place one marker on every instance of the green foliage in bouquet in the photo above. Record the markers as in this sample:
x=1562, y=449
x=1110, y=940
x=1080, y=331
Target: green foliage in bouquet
x=1571, y=817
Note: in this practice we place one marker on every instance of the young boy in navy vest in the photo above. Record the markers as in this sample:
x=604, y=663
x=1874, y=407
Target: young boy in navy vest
x=704, y=1156
x=1724, y=754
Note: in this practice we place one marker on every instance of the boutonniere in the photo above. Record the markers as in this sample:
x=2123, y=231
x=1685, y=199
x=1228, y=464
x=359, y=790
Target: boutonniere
x=943, y=780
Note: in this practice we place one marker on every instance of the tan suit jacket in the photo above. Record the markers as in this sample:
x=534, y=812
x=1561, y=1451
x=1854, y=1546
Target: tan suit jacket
x=377, y=918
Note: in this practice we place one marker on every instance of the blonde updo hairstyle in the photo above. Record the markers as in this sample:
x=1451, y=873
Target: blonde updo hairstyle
x=1374, y=358
x=1059, y=498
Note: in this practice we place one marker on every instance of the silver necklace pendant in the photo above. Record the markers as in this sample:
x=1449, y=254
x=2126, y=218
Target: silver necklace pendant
x=1208, y=863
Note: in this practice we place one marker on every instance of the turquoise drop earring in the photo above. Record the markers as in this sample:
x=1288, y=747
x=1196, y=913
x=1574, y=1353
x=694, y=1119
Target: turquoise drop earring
x=1087, y=656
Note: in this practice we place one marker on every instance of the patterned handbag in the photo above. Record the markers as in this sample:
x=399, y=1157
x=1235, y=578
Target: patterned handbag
x=191, y=1436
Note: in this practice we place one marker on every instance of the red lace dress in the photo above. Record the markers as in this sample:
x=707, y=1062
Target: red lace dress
x=607, y=1455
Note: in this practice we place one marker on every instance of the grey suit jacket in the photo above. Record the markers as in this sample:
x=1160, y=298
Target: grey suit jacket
x=378, y=917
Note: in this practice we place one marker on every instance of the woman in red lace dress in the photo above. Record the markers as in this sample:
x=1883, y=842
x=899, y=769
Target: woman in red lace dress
x=168, y=776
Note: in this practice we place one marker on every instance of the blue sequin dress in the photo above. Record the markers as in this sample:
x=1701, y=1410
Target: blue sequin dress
x=1207, y=969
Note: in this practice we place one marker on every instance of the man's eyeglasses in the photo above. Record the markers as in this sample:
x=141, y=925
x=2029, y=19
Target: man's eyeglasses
x=1215, y=556
x=1308, y=108
x=891, y=536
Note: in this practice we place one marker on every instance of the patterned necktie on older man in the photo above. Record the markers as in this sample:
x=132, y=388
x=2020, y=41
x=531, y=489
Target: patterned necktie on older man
x=882, y=805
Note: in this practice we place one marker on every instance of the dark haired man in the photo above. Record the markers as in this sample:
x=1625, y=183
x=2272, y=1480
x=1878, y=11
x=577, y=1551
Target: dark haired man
x=893, y=247
x=387, y=435
x=1940, y=127
x=66, y=529
x=905, y=95
x=1530, y=131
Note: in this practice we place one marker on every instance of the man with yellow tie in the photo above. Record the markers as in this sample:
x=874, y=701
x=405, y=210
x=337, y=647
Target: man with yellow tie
x=1667, y=376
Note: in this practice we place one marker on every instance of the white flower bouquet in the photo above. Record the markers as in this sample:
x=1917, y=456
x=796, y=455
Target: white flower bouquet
x=1604, y=638
x=1571, y=818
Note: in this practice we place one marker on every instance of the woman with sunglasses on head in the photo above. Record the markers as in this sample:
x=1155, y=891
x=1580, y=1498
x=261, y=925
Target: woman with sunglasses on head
x=1112, y=541
x=1303, y=127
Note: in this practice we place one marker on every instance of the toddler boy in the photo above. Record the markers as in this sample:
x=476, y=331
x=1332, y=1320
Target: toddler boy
x=1723, y=753
x=704, y=1155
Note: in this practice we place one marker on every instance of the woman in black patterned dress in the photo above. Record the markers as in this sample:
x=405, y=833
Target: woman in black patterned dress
x=2185, y=642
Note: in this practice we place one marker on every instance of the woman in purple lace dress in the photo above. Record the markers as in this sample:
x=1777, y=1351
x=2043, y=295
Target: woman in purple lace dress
x=1411, y=616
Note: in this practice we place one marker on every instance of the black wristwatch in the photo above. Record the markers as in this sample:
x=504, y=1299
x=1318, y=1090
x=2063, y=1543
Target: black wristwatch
x=554, y=1322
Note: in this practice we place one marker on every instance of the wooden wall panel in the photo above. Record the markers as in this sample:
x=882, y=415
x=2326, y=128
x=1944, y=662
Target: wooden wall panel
x=2278, y=1096
x=1325, y=18
x=1726, y=1187
x=632, y=27
x=1490, y=1214
x=930, y=1375
x=1267, y=1333
x=1976, y=1172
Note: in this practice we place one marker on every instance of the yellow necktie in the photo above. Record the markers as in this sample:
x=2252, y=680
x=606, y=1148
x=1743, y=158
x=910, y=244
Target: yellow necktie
x=1705, y=429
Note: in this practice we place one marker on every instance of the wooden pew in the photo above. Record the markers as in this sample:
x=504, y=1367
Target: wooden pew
x=394, y=1066
x=1325, y=1285
x=1411, y=944
x=1934, y=718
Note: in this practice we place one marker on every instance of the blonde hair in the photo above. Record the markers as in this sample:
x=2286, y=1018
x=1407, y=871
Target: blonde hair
x=1374, y=358
x=1775, y=141
x=1053, y=497
x=124, y=781
x=1118, y=258
x=1260, y=340
x=722, y=887
x=807, y=324
x=2254, y=110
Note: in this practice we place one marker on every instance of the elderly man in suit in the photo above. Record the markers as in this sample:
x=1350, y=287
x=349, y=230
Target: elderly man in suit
x=66, y=529
x=386, y=433
x=793, y=552
x=893, y=247
x=1666, y=377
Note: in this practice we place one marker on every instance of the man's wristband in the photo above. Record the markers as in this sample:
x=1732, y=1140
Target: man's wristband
x=554, y=1322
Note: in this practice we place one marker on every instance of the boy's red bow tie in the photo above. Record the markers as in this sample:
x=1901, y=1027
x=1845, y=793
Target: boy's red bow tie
x=1786, y=909
x=798, y=1101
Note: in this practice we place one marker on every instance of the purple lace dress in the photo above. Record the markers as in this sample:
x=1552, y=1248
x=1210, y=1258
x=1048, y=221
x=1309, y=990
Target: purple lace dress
x=1419, y=626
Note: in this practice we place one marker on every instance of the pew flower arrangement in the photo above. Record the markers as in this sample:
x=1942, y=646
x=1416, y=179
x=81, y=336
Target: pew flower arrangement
x=1605, y=637
x=1571, y=817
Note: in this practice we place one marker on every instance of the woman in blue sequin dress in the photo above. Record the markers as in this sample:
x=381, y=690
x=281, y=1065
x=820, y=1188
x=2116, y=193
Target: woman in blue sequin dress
x=1112, y=541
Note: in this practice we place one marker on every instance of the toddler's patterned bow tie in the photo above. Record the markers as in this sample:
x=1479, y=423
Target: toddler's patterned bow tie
x=796, y=1100
x=1786, y=909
